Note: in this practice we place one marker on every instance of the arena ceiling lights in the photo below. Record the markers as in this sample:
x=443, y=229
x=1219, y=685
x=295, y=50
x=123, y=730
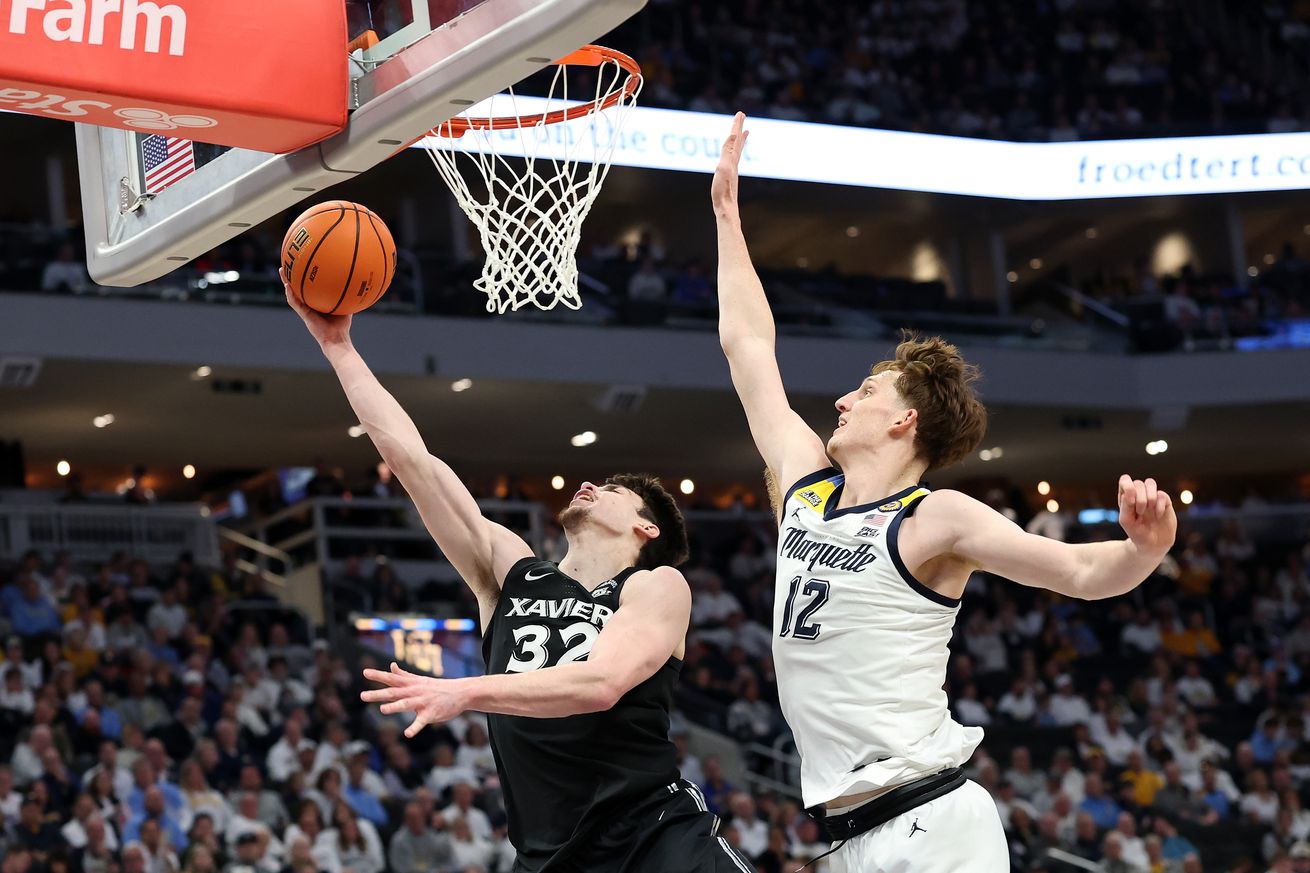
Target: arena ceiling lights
x=664, y=139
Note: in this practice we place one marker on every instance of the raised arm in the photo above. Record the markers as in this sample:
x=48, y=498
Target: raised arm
x=480, y=550
x=951, y=523
x=635, y=644
x=788, y=445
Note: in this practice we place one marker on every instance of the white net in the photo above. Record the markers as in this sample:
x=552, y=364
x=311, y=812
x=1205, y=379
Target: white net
x=528, y=187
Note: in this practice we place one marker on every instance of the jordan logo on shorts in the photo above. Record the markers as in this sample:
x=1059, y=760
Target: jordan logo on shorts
x=914, y=828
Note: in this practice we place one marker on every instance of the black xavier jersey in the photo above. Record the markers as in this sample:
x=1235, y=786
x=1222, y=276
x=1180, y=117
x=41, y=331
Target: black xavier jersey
x=564, y=777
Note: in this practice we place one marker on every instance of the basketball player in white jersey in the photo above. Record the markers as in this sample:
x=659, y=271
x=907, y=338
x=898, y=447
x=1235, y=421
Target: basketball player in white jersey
x=871, y=569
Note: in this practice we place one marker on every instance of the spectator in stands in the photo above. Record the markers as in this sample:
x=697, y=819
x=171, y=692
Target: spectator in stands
x=1117, y=744
x=1142, y=637
x=1268, y=740
x=327, y=482
x=11, y=801
x=446, y=772
x=1019, y=704
x=969, y=709
x=138, y=493
x=67, y=272
x=74, y=491
x=1086, y=843
x=248, y=854
x=364, y=789
x=1259, y=804
x=716, y=788
x=1196, y=641
x=124, y=634
x=33, y=832
x=417, y=848
x=750, y=719
x=1098, y=804
x=472, y=852
x=1027, y=781
x=1067, y=707
x=647, y=285
x=168, y=614
x=16, y=697
x=752, y=831
x=692, y=289
x=154, y=812
x=309, y=827
x=475, y=751
x=269, y=808
x=711, y=605
x=1143, y=781
x=402, y=775
x=31, y=614
x=462, y=808
x=245, y=820
x=1174, y=847
x=157, y=848
x=96, y=854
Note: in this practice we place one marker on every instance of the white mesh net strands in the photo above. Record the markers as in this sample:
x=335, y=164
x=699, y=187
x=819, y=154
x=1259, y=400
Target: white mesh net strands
x=529, y=214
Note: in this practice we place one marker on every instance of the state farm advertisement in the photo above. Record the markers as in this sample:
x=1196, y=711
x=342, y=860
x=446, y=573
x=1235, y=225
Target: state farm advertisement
x=261, y=75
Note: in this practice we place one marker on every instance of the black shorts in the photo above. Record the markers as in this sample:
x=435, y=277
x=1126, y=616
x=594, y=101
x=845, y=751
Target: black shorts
x=672, y=833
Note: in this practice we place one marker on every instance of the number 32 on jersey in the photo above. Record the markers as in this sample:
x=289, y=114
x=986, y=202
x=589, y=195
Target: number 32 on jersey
x=531, y=651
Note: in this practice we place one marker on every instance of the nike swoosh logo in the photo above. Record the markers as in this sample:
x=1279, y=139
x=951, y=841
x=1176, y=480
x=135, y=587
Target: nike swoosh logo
x=528, y=577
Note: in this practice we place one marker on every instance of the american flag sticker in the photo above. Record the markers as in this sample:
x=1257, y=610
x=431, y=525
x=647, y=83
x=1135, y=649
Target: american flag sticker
x=877, y=519
x=166, y=160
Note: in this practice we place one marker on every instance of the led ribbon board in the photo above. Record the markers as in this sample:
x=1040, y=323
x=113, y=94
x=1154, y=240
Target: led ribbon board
x=442, y=647
x=664, y=139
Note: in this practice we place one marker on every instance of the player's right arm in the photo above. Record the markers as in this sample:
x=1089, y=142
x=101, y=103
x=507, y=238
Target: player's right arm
x=746, y=332
x=480, y=550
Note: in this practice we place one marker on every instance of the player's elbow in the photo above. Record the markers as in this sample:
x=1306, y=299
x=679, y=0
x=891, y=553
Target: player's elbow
x=405, y=458
x=740, y=340
x=601, y=695
x=1081, y=581
x=730, y=340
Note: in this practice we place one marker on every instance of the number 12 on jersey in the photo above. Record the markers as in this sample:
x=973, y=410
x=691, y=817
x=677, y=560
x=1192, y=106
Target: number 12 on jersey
x=817, y=591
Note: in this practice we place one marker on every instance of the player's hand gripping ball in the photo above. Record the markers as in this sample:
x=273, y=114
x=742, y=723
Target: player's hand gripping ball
x=338, y=258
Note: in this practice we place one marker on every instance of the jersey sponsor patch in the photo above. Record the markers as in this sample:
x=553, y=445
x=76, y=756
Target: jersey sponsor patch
x=809, y=496
x=869, y=532
x=604, y=588
x=816, y=495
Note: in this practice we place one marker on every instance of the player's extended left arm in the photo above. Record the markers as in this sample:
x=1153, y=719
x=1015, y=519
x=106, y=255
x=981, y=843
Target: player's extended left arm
x=635, y=644
x=983, y=537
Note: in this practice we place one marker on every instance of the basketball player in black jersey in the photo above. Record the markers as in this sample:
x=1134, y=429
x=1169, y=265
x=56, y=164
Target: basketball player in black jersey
x=582, y=657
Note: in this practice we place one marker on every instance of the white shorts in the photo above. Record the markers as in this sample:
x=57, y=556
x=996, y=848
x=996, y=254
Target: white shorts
x=958, y=832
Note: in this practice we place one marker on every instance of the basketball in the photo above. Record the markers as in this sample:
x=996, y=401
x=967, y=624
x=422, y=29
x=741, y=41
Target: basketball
x=338, y=258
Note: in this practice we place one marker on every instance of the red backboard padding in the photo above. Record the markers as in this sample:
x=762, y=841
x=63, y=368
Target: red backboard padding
x=261, y=75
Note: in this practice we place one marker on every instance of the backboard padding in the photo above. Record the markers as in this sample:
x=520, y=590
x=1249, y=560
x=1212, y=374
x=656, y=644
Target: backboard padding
x=482, y=52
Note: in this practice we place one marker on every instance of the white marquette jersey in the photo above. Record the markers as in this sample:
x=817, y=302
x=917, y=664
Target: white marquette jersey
x=860, y=646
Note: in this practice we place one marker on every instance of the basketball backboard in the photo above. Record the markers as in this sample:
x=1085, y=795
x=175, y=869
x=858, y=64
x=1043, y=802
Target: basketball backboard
x=153, y=201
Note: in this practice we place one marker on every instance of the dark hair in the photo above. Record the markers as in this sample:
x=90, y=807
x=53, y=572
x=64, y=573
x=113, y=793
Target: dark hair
x=937, y=382
x=669, y=549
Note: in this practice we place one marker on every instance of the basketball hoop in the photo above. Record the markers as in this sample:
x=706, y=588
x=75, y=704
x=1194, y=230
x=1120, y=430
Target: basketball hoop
x=529, y=216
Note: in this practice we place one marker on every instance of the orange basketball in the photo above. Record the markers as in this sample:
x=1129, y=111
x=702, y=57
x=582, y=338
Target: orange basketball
x=338, y=257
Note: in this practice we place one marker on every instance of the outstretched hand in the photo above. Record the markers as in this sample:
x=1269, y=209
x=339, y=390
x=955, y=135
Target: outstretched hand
x=1147, y=515
x=723, y=191
x=432, y=701
x=327, y=329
